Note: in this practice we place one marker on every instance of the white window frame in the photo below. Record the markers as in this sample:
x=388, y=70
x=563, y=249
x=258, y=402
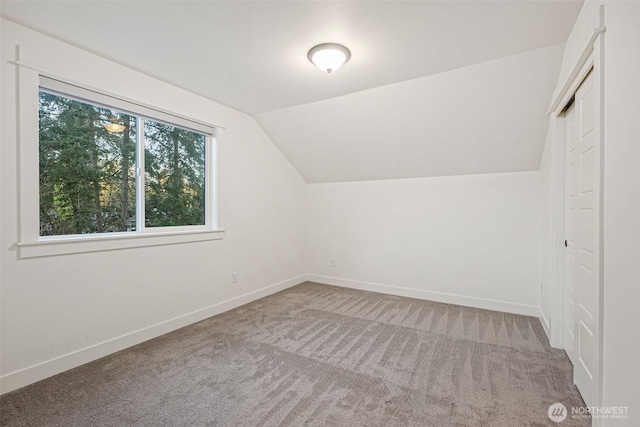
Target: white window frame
x=31, y=244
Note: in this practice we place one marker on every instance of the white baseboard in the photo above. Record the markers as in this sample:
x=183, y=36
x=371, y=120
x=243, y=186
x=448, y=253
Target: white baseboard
x=545, y=323
x=40, y=371
x=488, y=304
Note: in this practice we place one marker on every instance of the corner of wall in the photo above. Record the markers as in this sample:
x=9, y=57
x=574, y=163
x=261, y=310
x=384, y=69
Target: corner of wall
x=255, y=122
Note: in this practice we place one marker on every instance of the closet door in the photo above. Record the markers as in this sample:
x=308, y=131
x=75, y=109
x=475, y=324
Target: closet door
x=586, y=268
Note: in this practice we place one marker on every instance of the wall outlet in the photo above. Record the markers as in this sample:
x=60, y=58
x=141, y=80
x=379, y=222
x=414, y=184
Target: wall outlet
x=234, y=277
x=333, y=262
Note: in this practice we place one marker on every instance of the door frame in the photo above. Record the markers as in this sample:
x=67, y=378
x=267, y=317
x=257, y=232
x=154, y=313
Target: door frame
x=564, y=118
x=592, y=57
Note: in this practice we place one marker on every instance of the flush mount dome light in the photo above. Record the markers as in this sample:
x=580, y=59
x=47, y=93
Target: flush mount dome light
x=329, y=56
x=114, y=127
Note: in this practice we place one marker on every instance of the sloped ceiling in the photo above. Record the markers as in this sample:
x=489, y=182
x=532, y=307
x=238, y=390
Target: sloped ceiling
x=252, y=56
x=484, y=118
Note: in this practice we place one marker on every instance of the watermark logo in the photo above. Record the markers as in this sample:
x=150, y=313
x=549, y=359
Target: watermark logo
x=600, y=412
x=557, y=412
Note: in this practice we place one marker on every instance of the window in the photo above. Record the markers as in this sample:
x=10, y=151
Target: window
x=89, y=157
x=100, y=172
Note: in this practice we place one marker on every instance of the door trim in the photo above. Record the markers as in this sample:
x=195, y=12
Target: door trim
x=573, y=80
x=591, y=57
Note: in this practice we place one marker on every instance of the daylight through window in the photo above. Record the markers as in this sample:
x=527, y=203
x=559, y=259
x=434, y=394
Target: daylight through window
x=107, y=168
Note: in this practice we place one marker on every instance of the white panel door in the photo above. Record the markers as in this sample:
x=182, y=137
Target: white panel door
x=571, y=192
x=587, y=245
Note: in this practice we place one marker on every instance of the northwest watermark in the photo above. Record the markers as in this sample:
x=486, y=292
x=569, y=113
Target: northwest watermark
x=557, y=412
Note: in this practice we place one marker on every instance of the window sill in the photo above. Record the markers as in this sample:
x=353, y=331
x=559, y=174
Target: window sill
x=110, y=242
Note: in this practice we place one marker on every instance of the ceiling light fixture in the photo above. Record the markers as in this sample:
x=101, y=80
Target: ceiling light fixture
x=329, y=56
x=114, y=127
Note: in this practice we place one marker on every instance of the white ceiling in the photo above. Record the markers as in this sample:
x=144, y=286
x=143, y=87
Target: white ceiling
x=432, y=88
x=484, y=118
x=252, y=55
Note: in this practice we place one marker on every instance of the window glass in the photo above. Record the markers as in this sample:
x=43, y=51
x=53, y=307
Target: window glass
x=87, y=168
x=174, y=176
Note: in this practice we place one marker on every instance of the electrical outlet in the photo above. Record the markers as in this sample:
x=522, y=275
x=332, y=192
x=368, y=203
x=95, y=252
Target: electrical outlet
x=234, y=277
x=333, y=262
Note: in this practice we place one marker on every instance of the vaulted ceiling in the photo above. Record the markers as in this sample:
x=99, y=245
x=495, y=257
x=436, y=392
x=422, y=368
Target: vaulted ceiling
x=484, y=118
x=432, y=88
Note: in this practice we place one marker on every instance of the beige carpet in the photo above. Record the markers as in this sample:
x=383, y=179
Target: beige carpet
x=322, y=356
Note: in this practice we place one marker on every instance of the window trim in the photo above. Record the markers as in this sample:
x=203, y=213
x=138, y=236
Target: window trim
x=82, y=243
x=59, y=87
x=30, y=244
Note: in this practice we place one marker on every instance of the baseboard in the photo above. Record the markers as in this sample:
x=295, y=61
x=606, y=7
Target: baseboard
x=40, y=371
x=488, y=304
x=545, y=323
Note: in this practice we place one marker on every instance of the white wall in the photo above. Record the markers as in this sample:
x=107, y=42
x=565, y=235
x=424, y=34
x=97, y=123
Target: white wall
x=546, y=222
x=621, y=206
x=469, y=240
x=59, y=312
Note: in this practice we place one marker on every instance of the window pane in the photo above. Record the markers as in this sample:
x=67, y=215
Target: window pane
x=174, y=176
x=87, y=168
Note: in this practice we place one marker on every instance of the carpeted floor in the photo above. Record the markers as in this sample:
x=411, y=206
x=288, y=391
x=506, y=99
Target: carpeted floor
x=318, y=355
